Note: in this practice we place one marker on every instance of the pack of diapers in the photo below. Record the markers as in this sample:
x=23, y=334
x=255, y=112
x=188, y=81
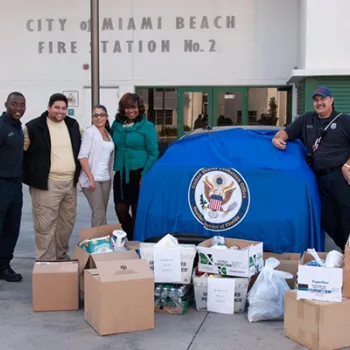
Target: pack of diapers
x=97, y=245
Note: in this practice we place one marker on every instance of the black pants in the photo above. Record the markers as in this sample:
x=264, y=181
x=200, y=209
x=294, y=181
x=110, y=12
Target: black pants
x=11, y=202
x=335, y=200
x=125, y=199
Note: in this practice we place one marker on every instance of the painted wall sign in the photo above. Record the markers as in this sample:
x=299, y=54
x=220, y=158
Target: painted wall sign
x=109, y=24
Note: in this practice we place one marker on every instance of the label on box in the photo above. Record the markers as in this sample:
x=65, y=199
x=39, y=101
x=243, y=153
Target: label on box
x=220, y=296
x=167, y=264
x=320, y=283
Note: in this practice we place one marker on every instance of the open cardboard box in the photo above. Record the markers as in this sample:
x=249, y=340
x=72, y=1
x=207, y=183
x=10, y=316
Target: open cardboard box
x=289, y=262
x=319, y=283
x=240, y=263
x=119, y=296
x=188, y=253
x=88, y=261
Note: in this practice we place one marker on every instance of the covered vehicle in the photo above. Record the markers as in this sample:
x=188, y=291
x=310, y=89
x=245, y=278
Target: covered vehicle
x=233, y=183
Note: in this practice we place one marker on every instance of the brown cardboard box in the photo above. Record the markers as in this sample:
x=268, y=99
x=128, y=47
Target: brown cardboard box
x=288, y=263
x=346, y=271
x=318, y=325
x=119, y=296
x=55, y=286
x=88, y=261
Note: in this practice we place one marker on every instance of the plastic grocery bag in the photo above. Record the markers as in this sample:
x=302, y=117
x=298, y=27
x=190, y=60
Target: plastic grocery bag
x=266, y=298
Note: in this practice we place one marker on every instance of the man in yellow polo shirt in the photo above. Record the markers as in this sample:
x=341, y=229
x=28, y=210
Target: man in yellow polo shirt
x=51, y=170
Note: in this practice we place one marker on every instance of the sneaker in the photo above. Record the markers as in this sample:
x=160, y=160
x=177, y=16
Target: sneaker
x=10, y=276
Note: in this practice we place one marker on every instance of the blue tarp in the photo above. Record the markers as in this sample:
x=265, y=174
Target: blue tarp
x=233, y=183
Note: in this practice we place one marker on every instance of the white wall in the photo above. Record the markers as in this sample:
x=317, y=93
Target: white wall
x=302, y=33
x=261, y=49
x=249, y=52
x=109, y=97
x=327, y=31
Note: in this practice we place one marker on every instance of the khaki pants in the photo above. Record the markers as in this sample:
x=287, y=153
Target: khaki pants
x=54, y=214
x=98, y=201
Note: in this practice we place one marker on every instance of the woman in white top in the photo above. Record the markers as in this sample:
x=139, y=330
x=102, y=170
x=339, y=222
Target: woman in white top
x=96, y=159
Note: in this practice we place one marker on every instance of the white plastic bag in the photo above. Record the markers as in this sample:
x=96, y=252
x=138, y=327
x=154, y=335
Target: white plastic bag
x=266, y=298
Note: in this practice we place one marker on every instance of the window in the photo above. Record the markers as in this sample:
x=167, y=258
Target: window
x=167, y=114
x=252, y=117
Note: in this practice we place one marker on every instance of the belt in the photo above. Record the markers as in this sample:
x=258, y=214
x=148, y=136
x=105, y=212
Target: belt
x=327, y=171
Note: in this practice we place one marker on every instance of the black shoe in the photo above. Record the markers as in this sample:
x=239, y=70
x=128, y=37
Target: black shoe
x=10, y=276
x=64, y=257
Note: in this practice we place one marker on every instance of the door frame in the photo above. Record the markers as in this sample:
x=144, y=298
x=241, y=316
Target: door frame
x=181, y=105
x=212, y=92
x=289, y=90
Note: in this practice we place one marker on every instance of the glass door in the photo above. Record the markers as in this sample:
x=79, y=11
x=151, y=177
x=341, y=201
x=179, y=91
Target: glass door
x=194, y=109
x=177, y=111
x=161, y=110
x=230, y=106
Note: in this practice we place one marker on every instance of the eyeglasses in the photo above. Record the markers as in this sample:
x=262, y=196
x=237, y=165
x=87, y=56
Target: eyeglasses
x=95, y=115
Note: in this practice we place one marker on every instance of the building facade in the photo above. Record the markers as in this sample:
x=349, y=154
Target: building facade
x=195, y=62
x=322, y=54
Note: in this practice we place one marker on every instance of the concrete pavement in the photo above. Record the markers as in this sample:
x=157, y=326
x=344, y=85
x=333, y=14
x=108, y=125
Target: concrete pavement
x=21, y=328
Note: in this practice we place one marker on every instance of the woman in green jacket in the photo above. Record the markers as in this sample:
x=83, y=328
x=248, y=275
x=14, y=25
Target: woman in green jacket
x=136, y=150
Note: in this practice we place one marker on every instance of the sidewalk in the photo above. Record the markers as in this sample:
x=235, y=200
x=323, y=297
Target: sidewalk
x=21, y=328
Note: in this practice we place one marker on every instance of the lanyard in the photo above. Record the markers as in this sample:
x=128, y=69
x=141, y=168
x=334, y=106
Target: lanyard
x=318, y=140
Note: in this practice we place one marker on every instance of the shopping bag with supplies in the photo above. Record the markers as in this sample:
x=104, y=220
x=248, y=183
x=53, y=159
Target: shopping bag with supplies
x=266, y=298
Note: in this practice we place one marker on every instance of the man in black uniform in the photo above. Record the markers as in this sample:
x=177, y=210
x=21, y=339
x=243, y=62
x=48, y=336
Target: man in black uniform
x=11, y=196
x=326, y=135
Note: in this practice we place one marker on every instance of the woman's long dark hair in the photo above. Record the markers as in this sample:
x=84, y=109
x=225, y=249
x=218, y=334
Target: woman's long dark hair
x=107, y=126
x=130, y=100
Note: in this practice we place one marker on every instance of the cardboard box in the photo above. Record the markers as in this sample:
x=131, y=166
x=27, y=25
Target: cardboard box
x=200, y=284
x=319, y=283
x=315, y=324
x=55, y=286
x=240, y=263
x=188, y=253
x=289, y=262
x=119, y=296
x=346, y=271
x=88, y=261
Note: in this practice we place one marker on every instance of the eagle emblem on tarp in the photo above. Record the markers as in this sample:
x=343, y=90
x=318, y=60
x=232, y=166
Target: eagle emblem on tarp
x=218, y=193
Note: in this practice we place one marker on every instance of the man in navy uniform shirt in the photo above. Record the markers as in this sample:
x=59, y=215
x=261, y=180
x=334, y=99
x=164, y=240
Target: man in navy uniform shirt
x=326, y=135
x=11, y=196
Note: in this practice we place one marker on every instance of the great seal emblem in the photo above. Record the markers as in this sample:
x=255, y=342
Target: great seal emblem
x=219, y=198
